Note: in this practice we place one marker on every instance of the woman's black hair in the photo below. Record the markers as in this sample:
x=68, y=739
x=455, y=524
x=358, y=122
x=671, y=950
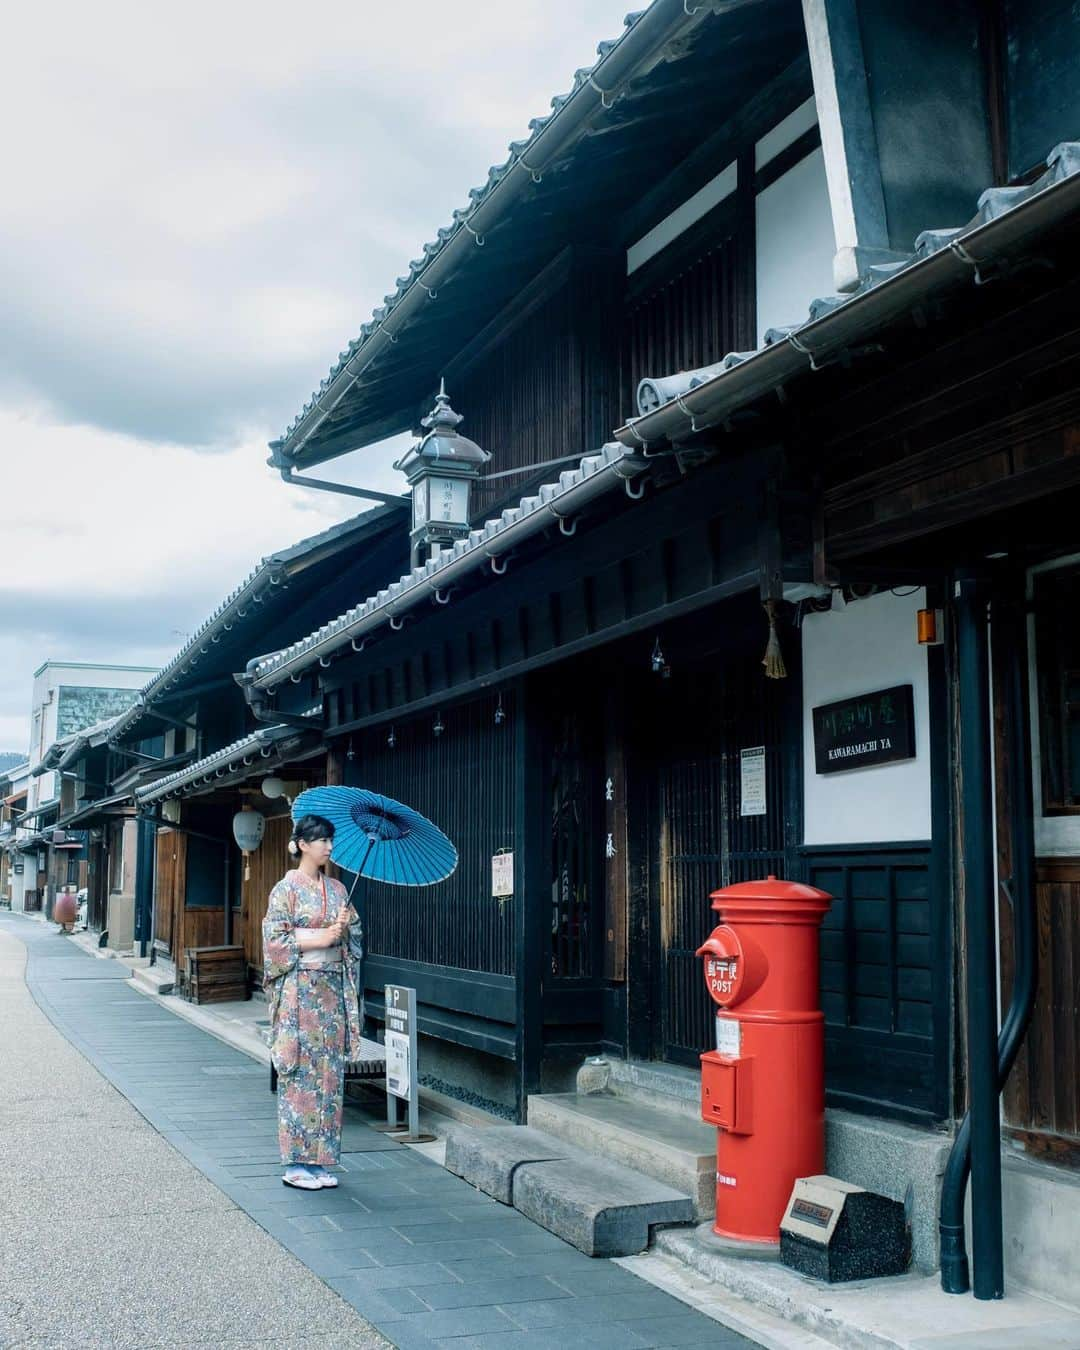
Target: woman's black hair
x=310, y=828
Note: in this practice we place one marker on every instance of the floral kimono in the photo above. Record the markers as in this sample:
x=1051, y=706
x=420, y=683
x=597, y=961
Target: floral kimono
x=314, y=1016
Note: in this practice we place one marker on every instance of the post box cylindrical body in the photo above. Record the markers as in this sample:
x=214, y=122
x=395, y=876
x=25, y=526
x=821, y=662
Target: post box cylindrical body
x=764, y=1084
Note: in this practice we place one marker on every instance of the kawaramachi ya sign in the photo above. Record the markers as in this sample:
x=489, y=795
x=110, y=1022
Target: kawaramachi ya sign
x=870, y=729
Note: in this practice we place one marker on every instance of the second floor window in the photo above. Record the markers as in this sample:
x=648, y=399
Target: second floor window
x=1057, y=664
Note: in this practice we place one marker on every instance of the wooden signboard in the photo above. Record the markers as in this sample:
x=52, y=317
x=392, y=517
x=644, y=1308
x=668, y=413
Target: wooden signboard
x=870, y=729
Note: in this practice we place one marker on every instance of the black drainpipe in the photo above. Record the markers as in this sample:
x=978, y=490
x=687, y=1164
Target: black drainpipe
x=1010, y=630
x=258, y=700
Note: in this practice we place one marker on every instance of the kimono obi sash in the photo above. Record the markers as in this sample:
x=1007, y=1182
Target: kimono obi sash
x=322, y=958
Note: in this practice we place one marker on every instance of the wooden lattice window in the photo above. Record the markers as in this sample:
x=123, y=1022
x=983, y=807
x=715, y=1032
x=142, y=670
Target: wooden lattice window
x=1057, y=661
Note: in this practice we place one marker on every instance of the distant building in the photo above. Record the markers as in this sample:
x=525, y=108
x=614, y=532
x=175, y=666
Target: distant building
x=14, y=779
x=68, y=696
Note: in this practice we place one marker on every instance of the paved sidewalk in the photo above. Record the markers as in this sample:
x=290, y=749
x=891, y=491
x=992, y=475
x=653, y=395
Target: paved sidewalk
x=417, y=1252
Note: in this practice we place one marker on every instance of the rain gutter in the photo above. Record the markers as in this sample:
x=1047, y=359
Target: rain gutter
x=972, y=256
x=490, y=546
x=241, y=754
x=662, y=23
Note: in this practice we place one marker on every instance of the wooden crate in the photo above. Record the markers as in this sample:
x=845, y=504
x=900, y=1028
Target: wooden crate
x=215, y=974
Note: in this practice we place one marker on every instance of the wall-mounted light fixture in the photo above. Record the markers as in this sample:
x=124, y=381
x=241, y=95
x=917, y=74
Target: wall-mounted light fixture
x=929, y=627
x=658, y=662
x=391, y=740
x=500, y=711
x=441, y=470
x=439, y=726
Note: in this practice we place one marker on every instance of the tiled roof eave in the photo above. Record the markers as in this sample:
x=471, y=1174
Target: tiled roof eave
x=646, y=34
x=89, y=809
x=552, y=502
x=270, y=572
x=244, y=753
x=963, y=259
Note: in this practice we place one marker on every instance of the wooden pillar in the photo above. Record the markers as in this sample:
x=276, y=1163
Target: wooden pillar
x=532, y=888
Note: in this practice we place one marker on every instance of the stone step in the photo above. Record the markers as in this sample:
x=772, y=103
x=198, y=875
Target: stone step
x=601, y=1207
x=672, y=1087
x=153, y=979
x=488, y=1158
x=669, y=1146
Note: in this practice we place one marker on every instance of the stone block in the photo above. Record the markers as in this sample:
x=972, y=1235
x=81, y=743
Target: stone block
x=599, y=1207
x=488, y=1158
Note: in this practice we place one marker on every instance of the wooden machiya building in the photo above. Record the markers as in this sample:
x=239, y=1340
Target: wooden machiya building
x=760, y=357
x=190, y=754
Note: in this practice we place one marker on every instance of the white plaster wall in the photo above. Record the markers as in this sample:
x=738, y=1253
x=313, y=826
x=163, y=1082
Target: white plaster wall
x=785, y=133
x=795, y=245
x=869, y=645
x=679, y=221
x=47, y=680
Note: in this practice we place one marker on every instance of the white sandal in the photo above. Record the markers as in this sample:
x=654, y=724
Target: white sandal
x=302, y=1178
x=323, y=1177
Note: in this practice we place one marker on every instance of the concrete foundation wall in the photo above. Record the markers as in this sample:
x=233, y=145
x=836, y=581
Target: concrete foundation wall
x=467, y=1075
x=899, y=1161
x=1041, y=1206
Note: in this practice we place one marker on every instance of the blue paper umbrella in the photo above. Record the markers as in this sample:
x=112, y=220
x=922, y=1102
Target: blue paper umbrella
x=379, y=838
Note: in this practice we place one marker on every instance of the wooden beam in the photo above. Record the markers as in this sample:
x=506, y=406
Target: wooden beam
x=528, y=300
x=962, y=507
x=769, y=105
x=1002, y=348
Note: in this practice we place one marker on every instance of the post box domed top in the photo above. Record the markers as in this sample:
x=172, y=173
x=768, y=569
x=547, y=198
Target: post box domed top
x=784, y=899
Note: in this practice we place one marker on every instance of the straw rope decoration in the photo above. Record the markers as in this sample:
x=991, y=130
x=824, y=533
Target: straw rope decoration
x=773, y=660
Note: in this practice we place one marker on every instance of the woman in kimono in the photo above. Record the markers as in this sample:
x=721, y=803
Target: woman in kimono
x=311, y=955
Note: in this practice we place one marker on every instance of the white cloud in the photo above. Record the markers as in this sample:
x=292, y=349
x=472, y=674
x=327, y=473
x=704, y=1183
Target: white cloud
x=202, y=205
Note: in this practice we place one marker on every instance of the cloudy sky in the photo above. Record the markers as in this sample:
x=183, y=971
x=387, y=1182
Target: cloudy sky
x=202, y=204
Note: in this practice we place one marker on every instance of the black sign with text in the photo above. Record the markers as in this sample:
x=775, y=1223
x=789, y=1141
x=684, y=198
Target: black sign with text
x=877, y=728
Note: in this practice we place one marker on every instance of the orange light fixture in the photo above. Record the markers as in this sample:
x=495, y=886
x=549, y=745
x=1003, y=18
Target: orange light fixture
x=929, y=627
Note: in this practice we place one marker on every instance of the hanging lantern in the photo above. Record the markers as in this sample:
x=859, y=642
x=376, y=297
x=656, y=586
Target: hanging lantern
x=441, y=470
x=248, y=827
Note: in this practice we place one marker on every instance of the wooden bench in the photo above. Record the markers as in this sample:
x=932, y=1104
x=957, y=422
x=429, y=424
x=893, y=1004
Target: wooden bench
x=371, y=1063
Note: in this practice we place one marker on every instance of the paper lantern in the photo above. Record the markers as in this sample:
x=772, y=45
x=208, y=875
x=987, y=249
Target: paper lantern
x=248, y=828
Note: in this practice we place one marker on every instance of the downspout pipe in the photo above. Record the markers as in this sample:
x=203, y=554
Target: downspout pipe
x=1020, y=891
x=258, y=700
x=344, y=489
x=977, y=835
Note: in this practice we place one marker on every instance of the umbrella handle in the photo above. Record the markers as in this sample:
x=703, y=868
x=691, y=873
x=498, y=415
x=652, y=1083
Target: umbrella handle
x=360, y=871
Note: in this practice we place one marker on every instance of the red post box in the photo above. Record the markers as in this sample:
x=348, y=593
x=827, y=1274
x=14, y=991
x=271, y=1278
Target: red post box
x=763, y=1086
